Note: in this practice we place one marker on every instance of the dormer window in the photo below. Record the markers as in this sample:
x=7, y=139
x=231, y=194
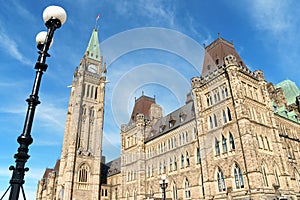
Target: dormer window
x=160, y=129
x=171, y=124
x=182, y=117
x=208, y=67
x=217, y=61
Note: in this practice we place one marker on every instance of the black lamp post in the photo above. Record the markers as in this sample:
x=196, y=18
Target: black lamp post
x=163, y=185
x=54, y=17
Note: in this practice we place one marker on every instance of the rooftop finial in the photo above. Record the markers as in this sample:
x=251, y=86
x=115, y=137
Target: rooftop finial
x=218, y=35
x=143, y=93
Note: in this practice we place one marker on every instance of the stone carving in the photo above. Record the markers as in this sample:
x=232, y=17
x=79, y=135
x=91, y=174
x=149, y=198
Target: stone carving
x=230, y=60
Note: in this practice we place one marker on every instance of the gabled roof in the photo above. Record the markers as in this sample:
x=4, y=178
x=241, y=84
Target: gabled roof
x=142, y=105
x=93, y=48
x=215, y=53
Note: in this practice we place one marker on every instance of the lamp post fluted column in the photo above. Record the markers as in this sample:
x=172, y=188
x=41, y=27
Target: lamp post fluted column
x=54, y=17
x=163, y=185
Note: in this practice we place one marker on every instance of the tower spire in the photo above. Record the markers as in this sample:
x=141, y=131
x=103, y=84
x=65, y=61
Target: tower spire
x=93, y=48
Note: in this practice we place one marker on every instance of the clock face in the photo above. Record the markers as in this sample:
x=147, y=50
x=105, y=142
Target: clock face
x=92, y=68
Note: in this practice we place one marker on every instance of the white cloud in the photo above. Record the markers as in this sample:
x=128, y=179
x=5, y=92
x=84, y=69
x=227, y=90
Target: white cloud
x=155, y=11
x=8, y=45
x=271, y=15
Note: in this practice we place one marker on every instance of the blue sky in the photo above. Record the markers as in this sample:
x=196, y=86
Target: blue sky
x=151, y=46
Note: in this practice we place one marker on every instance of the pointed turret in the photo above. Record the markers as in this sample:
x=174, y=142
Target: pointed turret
x=93, y=49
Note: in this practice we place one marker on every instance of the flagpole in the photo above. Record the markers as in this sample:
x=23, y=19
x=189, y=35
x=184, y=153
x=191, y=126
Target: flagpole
x=96, y=23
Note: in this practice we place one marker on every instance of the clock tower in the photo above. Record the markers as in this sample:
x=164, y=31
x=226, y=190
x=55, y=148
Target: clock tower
x=80, y=163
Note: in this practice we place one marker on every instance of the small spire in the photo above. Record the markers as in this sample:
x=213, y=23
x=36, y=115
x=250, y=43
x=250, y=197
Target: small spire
x=204, y=45
x=142, y=92
x=93, y=48
x=219, y=35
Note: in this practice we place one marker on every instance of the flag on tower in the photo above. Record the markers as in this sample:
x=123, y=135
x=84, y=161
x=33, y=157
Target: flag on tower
x=98, y=16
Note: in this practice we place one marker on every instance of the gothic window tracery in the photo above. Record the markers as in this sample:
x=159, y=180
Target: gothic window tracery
x=221, y=180
x=238, y=177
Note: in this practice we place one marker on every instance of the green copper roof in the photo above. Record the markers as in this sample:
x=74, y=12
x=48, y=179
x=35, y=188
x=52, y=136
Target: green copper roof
x=290, y=90
x=94, y=47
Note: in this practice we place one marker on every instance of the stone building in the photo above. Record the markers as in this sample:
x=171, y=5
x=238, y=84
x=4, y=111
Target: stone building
x=236, y=137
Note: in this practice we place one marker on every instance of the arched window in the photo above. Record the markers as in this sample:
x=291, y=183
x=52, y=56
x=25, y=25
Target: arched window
x=238, y=177
x=210, y=122
x=186, y=137
x=224, y=144
x=226, y=92
x=182, y=161
x=223, y=93
x=187, y=188
x=217, y=147
x=264, y=176
x=231, y=142
x=83, y=174
x=224, y=117
x=171, y=164
x=229, y=114
x=221, y=180
x=175, y=195
x=175, y=163
x=187, y=159
x=215, y=120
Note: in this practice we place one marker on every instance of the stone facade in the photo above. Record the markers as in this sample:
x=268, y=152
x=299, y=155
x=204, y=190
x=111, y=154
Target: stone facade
x=236, y=137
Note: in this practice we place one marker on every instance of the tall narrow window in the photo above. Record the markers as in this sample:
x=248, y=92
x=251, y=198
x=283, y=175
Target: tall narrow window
x=160, y=168
x=210, y=123
x=186, y=137
x=215, y=120
x=198, y=156
x=264, y=177
x=224, y=117
x=217, y=147
x=83, y=174
x=187, y=189
x=179, y=139
x=175, y=163
x=221, y=180
x=229, y=114
x=226, y=92
x=88, y=91
x=92, y=91
x=175, y=195
x=224, y=144
x=182, y=161
x=96, y=91
x=171, y=164
x=231, y=142
x=165, y=167
x=268, y=144
x=187, y=159
x=223, y=93
x=238, y=177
